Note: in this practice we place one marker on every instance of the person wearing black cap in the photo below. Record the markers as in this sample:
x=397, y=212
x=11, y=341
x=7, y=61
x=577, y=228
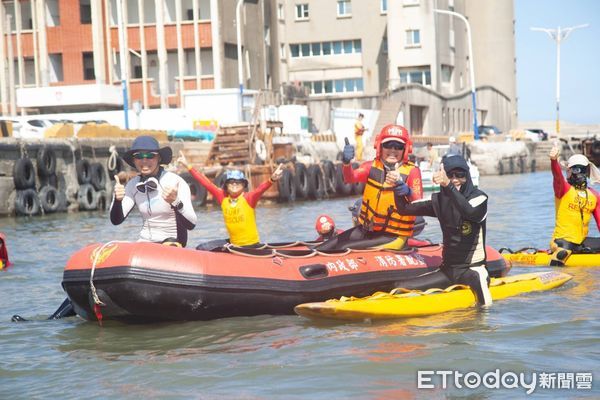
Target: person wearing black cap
x=163, y=198
x=461, y=209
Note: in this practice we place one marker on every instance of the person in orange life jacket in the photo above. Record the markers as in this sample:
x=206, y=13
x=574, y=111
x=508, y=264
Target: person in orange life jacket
x=461, y=209
x=574, y=203
x=326, y=228
x=163, y=198
x=380, y=225
x=238, y=206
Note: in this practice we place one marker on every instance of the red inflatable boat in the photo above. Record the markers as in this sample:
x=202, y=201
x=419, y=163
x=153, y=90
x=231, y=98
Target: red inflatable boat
x=140, y=282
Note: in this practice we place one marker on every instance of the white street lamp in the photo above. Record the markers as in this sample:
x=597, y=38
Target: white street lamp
x=123, y=60
x=558, y=35
x=238, y=23
x=471, y=68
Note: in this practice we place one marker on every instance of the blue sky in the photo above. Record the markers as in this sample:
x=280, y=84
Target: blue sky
x=579, y=64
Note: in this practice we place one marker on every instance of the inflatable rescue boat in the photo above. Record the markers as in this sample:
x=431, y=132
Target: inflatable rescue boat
x=142, y=282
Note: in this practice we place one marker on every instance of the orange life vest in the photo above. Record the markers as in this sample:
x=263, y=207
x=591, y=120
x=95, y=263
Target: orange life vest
x=573, y=213
x=240, y=221
x=378, y=211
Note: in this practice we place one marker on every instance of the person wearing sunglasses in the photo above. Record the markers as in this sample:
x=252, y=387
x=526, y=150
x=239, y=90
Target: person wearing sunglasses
x=379, y=223
x=237, y=205
x=461, y=210
x=163, y=198
x=575, y=204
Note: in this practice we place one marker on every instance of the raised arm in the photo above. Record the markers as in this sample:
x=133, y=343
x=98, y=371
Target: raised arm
x=360, y=174
x=558, y=180
x=215, y=191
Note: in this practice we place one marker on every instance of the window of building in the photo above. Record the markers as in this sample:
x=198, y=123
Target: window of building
x=88, y=66
x=56, y=67
x=344, y=8
x=348, y=46
x=446, y=73
x=282, y=51
x=383, y=6
x=420, y=75
x=295, y=50
x=413, y=38
x=325, y=48
x=301, y=12
x=349, y=85
x=337, y=47
x=316, y=49
x=305, y=50
x=85, y=12
x=53, y=13
x=280, y=12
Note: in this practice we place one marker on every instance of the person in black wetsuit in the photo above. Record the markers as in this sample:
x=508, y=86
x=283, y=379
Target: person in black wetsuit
x=461, y=209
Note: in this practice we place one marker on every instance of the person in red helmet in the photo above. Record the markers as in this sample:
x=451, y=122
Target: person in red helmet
x=379, y=223
x=326, y=228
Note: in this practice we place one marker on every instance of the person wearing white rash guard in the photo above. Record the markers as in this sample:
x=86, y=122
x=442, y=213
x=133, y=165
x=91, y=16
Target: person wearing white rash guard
x=163, y=198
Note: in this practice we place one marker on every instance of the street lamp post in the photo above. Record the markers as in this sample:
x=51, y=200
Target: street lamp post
x=238, y=23
x=558, y=35
x=471, y=68
x=123, y=60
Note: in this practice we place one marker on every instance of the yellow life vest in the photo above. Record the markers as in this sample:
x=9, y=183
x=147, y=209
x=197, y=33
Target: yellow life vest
x=573, y=213
x=378, y=211
x=240, y=221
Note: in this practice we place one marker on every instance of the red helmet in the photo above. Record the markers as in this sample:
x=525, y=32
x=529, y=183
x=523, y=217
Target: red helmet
x=324, y=224
x=392, y=131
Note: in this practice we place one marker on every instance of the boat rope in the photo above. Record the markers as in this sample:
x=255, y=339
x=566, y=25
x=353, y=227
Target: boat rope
x=97, y=254
x=112, y=159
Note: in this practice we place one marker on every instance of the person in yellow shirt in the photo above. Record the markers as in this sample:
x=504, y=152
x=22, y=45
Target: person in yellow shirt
x=238, y=206
x=575, y=204
x=359, y=130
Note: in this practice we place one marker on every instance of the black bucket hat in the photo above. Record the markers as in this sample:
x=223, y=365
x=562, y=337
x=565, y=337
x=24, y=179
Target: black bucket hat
x=148, y=143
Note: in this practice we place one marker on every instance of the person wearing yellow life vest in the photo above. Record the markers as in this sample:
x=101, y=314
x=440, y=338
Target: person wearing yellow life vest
x=379, y=223
x=575, y=203
x=359, y=130
x=238, y=206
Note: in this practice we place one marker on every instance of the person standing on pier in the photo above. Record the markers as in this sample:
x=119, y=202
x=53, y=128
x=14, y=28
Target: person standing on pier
x=379, y=223
x=574, y=203
x=238, y=206
x=359, y=130
x=163, y=198
x=461, y=209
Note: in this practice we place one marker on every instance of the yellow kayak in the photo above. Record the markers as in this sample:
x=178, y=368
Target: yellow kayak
x=541, y=258
x=401, y=303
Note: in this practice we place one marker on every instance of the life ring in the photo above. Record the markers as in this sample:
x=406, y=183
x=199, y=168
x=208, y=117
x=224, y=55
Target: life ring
x=46, y=162
x=49, y=199
x=358, y=187
x=197, y=191
x=86, y=197
x=329, y=176
x=316, y=184
x=596, y=148
x=27, y=202
x=83, y=169
x=300, y=181
x=261, y=150
x=97, y=176
x=341, y=187
x=102, y=202
x=287, y=187
x=23, y=174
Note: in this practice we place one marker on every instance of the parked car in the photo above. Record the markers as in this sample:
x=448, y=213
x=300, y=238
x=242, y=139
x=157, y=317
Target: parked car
x=539, y=132
x=487, y=130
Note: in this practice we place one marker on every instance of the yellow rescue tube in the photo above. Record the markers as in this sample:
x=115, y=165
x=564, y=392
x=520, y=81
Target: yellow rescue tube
x=542, y=258
x=401, y=303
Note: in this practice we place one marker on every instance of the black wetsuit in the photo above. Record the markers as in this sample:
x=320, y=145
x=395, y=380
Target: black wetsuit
x=462, y=216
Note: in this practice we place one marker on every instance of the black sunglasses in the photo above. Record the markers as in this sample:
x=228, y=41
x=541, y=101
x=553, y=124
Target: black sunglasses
x=457, y=174
x=393, y=145
x=147, y=186
x=578, y=169
x=145, y=155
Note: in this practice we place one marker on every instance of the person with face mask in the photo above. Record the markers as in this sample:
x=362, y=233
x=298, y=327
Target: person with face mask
x=461, y=209
x=379, y=225
x=575, y=203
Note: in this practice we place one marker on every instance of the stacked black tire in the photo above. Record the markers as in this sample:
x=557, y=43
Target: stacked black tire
x=92, y=179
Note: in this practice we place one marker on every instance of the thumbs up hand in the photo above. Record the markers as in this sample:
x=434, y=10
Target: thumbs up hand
x=277, y=174
x=555, y=151
x=119, y=189
x=348, y=152
x=440, y=177
x=169, y=193
x=393, y=177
